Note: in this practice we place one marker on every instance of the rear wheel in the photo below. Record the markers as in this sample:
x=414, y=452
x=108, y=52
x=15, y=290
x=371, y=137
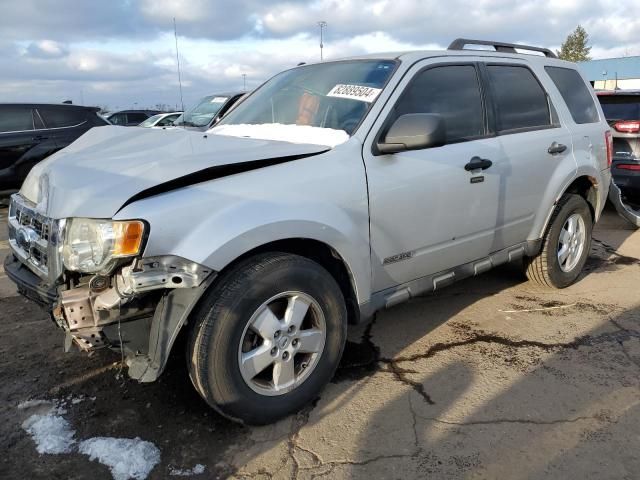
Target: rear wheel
x=565, y=246
x=268, y=337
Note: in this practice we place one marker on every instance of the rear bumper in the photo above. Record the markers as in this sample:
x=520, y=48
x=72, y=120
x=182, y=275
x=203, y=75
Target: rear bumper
x=29, y=284
x=628, y=181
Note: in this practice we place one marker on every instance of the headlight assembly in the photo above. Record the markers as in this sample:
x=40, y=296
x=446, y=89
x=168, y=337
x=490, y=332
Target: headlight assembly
x=92, y=245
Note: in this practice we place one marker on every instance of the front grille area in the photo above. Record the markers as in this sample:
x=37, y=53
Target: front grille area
x=34, y=238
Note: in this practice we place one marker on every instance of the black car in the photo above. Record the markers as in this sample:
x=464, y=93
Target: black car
x=208, y=111
x=622, y=111
x=130, y=118
x=30, y=132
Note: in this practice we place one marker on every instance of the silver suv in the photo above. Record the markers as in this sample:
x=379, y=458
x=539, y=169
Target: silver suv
x=334, y=190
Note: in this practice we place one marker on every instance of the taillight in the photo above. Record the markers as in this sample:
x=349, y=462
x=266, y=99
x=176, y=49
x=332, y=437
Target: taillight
x=628, y=166
x=628, y=126
x=608, y=137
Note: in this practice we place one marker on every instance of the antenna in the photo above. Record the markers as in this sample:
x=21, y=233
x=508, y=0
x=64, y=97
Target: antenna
x=322, y=24
x=175, y=34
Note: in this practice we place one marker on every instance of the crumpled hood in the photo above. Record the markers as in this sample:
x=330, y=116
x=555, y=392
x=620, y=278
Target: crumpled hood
x=95, y=175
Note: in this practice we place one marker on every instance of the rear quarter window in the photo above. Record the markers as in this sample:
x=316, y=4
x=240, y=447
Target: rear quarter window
x=61, y=117
x=519, y=99
x=575, y=94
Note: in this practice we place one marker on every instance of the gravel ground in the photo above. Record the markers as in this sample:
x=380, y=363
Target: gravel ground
x=491, y=378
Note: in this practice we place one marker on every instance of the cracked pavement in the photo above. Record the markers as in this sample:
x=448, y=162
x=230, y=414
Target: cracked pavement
x=492, y=377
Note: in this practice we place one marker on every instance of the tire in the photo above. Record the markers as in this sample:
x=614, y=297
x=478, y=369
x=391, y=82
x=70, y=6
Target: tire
x=546, y=268
x=225, y=331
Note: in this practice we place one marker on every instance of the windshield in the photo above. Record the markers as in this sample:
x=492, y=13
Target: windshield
x=151, y=120
x=620, y=107
x=335, y=95
x=203, y=112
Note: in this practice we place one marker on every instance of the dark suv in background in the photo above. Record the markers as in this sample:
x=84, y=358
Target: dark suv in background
x=622, y=111
x=31, y=132
x=130, y=118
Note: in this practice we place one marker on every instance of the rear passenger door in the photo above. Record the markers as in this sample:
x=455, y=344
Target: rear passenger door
x=537, y=146
x=64, y=124
x=427, y=213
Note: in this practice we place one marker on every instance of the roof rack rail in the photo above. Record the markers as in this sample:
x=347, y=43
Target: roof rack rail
x=460, y=43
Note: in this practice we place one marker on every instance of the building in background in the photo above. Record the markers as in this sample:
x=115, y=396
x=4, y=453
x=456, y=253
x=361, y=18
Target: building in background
x=613, y=73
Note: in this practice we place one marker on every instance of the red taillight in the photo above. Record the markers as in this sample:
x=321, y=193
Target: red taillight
x=628, y=166
x=628, y=126
x=608, y=137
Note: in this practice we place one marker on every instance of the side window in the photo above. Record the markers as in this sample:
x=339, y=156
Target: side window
x=15, y=119
x=450, y=91
x=118, y=119
x=61, y=117
x=168, y=120
x=575, y=94
x=519, y=99
x=136, y=117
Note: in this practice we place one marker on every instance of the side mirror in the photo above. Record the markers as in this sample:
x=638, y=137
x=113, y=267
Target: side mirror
x=414, y=131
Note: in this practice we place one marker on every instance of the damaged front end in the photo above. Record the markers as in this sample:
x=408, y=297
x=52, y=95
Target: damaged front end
x=132, y=304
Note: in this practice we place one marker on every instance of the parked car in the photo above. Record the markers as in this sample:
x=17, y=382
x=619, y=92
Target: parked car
x=30, y=132
x=160, y=120
x=130, y=118
x=208, y=111
x=333, y=191
x=622, y=111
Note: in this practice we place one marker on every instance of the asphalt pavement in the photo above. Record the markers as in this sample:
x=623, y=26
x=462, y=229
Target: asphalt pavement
x=491, y=378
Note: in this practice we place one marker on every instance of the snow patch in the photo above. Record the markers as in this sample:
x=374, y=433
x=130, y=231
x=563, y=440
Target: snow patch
x=285, y=133
x=197, y=470
x=34, y=403
x=50, y=432
x=126, y=458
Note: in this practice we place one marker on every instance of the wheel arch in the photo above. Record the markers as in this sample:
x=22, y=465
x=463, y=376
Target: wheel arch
x=321, y=253
x=587, y=186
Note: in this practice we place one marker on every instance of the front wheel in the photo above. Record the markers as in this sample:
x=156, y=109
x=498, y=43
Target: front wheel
x=268, y=337
x=565, y=246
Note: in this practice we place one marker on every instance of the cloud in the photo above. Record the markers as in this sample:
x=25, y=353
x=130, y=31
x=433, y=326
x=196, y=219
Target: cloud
x=47, y=49
x=202, y=18
x=121, y=52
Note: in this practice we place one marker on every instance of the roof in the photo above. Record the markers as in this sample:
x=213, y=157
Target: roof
x=38, y=105
x=415, y=55
x=609, y=68
x=153, y=112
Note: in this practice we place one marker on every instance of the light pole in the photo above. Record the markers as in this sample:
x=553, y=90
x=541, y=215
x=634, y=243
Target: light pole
x=244, y=82
x=322, y=24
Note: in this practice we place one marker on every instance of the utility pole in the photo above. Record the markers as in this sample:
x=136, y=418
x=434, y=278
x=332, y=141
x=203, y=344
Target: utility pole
x=244, y=82
x=175, y=34
x=322, y=24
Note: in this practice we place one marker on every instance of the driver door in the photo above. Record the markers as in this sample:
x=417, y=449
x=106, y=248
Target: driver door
x=427, y=212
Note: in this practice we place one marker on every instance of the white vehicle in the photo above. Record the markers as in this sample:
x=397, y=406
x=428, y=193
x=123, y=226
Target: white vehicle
x=160, y=120
x=332, y=191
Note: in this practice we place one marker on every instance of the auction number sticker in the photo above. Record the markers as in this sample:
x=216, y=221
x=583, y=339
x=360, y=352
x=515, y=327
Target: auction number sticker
x=355, y=92
x=219, y=100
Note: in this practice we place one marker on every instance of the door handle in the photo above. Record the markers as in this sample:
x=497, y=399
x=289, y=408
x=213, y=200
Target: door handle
x=40, y=137
x=478, y=163
x=556, y=148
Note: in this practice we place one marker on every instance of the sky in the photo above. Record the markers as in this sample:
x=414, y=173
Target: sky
x=121, y=53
